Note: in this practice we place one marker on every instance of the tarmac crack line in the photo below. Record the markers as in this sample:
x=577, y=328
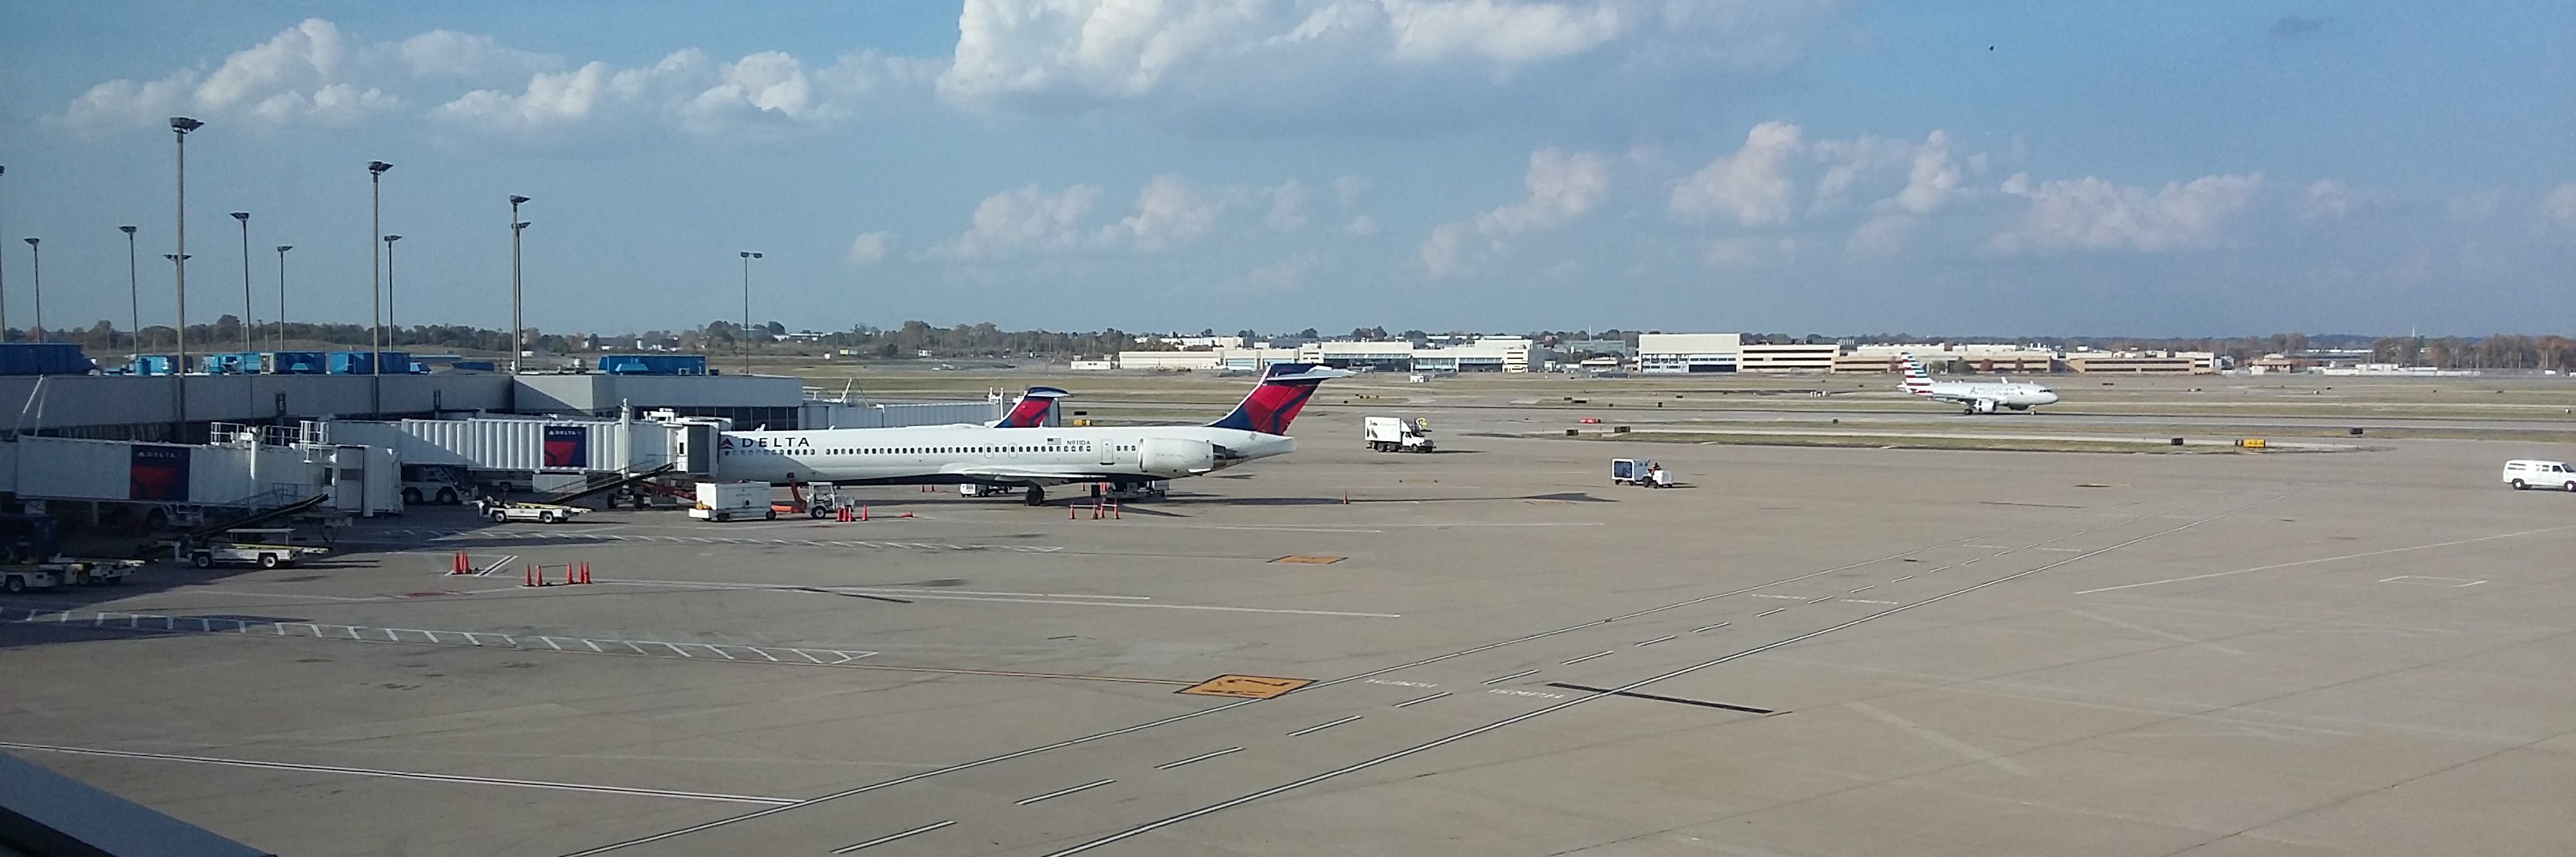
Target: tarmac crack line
x=1631, y=686
x=403, y=775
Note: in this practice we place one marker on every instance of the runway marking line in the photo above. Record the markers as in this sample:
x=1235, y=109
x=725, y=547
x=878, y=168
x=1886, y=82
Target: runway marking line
x=2330, y=559
x=1319, y=727
x=1200, y=757
x=1504, y=678
x=2422, y=580
x=1421, y=699
x=1585, y=658
x=403, y=775
x=1061, y=792
x=1308, y=560
x=1246, y=686
x=881, y=840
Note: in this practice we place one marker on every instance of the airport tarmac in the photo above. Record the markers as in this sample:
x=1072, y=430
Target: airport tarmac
x=1485, y=650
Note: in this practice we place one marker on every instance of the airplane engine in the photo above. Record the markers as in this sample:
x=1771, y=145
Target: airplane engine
x=1176, y=457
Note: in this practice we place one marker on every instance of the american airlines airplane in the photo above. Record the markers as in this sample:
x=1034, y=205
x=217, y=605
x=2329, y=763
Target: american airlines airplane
x=1035, y=456
x=1978, y=398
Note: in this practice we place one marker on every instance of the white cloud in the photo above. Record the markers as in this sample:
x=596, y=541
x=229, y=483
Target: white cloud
x=1509, y=33
x=1170, y=210
x=1227, y=59
x=1285, y=275
x=314, y=72
x=2092, y=214
x=1745, y=251
x=1931, y=179
x=1749, y=185
x=1441, y=254
x=470, y=56
x=1347, y=190
x=2327, y=199
x=1561, y=188
x=1287, y=206
x=310, y=71
x=768, y=89
x=868, y=249
x=1360, y=226
x=2560, y=205
x=1025, y=219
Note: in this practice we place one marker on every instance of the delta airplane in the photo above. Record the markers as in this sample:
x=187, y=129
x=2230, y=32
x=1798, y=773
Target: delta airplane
x=1035, y=456
x=1978, y=398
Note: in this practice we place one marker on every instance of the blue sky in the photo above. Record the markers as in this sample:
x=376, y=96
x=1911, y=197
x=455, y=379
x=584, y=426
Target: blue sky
x=2038, y=168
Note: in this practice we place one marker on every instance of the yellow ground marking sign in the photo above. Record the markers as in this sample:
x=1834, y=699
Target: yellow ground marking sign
x=1246, y=686
x=1308, y=560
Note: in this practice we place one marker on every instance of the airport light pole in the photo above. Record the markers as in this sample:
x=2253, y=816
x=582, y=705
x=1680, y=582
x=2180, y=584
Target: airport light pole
x=743, y=337
x=375, y=286
x=517, y=325
x=179, y=128
x=244, y=218
x=280, y=343
x=392, y=330
x=133, y=292
x=37, y=260
x=4, y=289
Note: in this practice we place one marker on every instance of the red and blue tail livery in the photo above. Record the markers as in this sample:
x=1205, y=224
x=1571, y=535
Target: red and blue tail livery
x=1031, y=410
x=1283, y=391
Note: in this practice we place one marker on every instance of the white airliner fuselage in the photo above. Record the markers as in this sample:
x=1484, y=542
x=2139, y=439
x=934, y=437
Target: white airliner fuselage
x=1977, y=397
x=1036, y=456
x=995, y=456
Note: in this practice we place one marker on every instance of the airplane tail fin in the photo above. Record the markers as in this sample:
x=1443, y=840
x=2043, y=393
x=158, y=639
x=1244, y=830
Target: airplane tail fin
x=1917, y=381
x=1282, y=392
x=1030, y=411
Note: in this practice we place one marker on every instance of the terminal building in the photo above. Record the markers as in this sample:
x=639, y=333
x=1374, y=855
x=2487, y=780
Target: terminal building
x=1689, y=353
x=1488, y=354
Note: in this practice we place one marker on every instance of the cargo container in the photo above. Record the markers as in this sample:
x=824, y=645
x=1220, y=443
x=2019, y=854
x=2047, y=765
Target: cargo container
x=231, y=363
x=44, y=358
x=360, y=363
x=653, y=364
x=295, y=363
x=726, y=501
x=149, y=364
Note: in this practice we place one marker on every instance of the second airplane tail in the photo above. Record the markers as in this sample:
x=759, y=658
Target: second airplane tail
x=1031, y=409
x=1282, y=393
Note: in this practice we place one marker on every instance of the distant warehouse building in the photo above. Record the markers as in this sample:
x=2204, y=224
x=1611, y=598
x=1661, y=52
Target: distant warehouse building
x=1796, y=357
x=1974, y=357
x=1689, y=353
x=2144, y=362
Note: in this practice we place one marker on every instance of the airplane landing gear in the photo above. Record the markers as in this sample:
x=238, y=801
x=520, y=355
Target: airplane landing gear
x=1037, y=495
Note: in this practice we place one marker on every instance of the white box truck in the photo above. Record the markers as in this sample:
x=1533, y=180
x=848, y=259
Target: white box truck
x=1396, y=434
x=727, y=501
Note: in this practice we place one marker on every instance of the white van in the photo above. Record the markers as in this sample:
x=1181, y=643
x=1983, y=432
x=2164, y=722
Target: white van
x=2534, y=473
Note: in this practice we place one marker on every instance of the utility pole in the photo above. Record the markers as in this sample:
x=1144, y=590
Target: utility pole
x=133, y=292
x=179, y=127
x=280, y=343
x=743, y=337
x=244, y=217
x=517, y=324
x=37, y=259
